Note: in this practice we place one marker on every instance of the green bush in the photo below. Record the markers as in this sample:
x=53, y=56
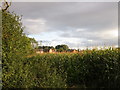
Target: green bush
x=15, y=46
x=92, y=69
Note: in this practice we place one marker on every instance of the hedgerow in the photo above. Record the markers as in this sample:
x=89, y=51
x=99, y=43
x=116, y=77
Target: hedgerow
x=92, y=69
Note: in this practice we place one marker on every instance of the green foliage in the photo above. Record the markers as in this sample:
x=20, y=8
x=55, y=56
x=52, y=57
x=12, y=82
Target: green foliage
x=14, y=42
x=31, y=73
x=96, y=68
x=15, y=46
x=61, y=48
x=46, y=48
x=34, y=43
x=92, y=69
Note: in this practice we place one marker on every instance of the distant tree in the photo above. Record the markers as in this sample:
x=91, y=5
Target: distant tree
x=61, y=48
x=46, y=48
x=34, y=43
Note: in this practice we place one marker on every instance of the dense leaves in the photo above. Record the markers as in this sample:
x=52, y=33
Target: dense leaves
x=91, y=69
x=46, y=48
x=61, y=48
x=15, y=46
x=13, y=39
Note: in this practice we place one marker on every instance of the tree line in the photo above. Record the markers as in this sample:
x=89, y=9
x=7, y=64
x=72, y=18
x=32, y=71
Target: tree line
x=58, y=48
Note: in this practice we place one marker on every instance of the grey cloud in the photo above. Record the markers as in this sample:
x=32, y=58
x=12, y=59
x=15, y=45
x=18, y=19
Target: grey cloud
x=67, y=17
x=96, y=37
x=94, y=16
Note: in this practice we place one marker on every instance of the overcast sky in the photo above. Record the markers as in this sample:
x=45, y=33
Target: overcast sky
x=77, y=24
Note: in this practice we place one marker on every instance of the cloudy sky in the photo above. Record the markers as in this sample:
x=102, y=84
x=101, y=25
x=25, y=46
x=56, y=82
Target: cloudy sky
x=77, y=24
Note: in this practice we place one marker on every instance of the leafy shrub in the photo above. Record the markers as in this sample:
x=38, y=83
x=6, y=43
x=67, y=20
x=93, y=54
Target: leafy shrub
x=97, y=68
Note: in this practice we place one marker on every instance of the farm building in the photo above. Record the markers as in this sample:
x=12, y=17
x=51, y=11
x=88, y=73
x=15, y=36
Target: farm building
x=39, y=51
x=49, y=50
x=45, y=51
x=72, y=50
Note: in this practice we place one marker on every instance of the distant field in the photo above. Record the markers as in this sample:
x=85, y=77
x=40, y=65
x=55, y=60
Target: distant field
x=88, y=69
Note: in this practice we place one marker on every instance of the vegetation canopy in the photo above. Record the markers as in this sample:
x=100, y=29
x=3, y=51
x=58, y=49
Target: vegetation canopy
x=86, y=69
x=61, y=48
